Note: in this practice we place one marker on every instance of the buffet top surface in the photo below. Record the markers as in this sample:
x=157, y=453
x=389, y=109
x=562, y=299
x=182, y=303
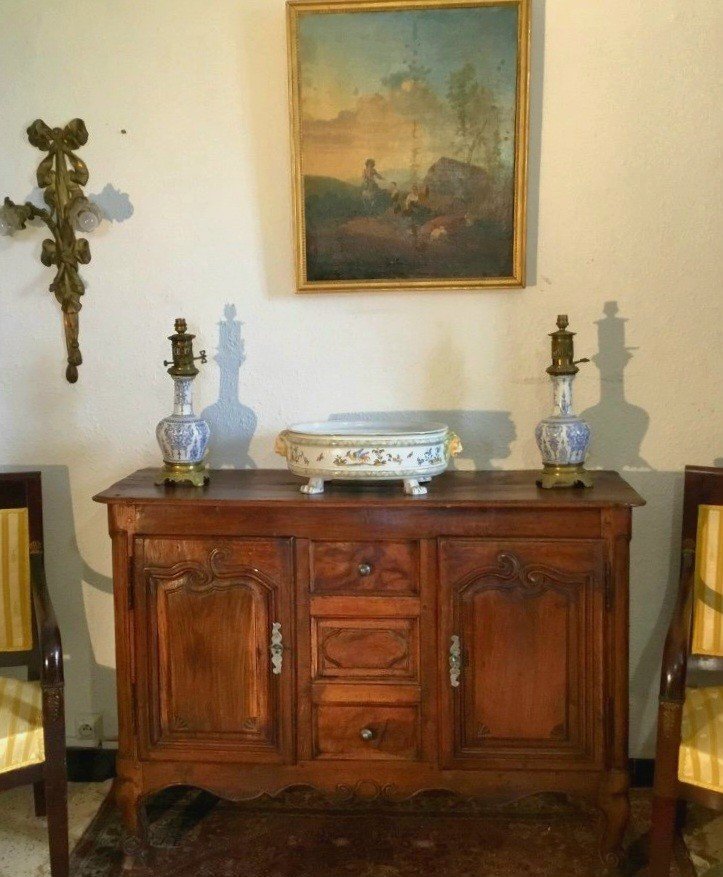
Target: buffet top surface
x=498, y=488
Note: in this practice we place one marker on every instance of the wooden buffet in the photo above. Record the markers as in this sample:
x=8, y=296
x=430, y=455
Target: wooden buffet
x=366, y=642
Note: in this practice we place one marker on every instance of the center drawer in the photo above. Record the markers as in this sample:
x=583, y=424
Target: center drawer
x=365, y=567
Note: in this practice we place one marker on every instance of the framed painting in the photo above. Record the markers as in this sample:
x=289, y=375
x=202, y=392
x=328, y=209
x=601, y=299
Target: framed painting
x=409, y=123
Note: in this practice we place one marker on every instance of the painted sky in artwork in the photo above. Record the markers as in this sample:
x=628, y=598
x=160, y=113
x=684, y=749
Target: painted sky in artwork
x=372, y=80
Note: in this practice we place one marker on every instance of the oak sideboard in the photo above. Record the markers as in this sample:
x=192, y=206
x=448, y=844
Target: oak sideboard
x=369, y=643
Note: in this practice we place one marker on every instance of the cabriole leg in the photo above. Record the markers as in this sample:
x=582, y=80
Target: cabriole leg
x=614, y=801
x=138, y=855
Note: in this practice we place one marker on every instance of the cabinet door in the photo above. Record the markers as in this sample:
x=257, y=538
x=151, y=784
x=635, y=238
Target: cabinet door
x=522, y=640
x=208, y=614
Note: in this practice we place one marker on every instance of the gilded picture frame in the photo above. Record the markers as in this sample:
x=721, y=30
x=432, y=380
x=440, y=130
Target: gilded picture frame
x=409, y=136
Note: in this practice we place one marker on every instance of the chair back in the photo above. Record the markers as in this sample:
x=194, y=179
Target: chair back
x=21, y=528
x=703, y=530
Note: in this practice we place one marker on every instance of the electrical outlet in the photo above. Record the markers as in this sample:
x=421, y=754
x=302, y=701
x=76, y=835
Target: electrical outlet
x=89, y=727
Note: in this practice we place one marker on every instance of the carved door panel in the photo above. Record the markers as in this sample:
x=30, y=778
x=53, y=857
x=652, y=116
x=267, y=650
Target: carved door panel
x=212, y=625
x=522, y=631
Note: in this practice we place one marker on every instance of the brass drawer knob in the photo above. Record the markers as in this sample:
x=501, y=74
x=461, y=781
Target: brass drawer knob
x=365, y=569
x=366, y=734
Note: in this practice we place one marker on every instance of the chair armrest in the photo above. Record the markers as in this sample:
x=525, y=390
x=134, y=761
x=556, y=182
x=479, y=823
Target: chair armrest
x=51, y=650
x=677, y=642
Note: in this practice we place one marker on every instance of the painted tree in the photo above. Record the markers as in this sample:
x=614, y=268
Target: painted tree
x=478, y=122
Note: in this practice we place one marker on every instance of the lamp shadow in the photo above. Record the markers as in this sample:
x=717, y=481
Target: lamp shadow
x=618, y=430
x=618, y=427
x=232, y=423
x=486, y=435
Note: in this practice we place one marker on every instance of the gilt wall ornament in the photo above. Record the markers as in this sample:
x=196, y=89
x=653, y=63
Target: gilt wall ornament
x=62, y=175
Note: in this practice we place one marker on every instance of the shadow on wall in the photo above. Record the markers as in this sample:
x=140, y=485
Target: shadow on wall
x=232, y=423
x=485, y=435
x=618, y=431
x=114, y=205
x=618, y=428
x=66, y=572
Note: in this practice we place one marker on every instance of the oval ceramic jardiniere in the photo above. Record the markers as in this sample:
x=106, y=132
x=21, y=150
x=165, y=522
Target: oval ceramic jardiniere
x=367, y=451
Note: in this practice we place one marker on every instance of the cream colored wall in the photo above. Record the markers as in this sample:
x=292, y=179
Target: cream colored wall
x=624, y=206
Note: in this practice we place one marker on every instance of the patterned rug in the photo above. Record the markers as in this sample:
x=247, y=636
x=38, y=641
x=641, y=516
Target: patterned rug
x=196, y=835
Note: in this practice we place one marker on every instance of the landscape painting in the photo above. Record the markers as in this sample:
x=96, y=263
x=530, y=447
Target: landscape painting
x=409, y=125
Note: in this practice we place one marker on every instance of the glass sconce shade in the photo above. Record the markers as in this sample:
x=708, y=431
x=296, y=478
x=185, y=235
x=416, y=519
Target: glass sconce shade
x=10, y=220
x=84, y=215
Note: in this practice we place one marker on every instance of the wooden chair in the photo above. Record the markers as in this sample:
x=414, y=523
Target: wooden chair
x=689, y=756
x=32, y=714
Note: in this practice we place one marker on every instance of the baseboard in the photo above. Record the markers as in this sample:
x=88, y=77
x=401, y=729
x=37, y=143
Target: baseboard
x=641, y=773
x=91, y=765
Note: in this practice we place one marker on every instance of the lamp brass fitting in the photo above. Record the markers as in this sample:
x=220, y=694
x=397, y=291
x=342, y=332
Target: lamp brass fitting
x=563, y=350
x=182, y=364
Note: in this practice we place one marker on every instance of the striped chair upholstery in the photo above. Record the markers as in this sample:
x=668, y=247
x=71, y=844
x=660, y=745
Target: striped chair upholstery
x=15, y=618
x=701, y=750
x=21, y=724
x=21, y=707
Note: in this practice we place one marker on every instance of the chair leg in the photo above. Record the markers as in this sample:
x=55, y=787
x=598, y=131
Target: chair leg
x=56, y=780
x=681, y=815
x=56, y=793
x=662, y=836
x=39, y=796
x=666, y=811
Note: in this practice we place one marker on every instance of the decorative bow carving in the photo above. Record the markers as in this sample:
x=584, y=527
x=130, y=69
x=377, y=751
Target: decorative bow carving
x=62, y=175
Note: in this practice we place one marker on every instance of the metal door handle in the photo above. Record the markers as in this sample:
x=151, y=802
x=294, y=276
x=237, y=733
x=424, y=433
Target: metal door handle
x=365, y=569
x=455, y=661
x=366, y=734
x=277, y=648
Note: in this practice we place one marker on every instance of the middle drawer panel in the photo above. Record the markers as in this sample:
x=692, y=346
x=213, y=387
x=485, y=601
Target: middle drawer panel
x=362, y=648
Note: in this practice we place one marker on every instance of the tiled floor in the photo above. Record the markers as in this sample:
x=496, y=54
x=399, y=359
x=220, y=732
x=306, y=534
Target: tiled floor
x=704, y=838
x=23, y=838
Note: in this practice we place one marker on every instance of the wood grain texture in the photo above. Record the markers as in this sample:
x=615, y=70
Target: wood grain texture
x=268, y=487
x=364, y=567
x=365, y=648
x=392, y=731
x=533, y=582
x=204, y=612
x=529, y=616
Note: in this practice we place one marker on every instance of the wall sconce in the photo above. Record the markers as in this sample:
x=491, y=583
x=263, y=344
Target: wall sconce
x=62, y=174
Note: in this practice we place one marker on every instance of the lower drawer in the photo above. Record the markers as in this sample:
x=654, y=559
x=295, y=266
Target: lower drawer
x=361, y=731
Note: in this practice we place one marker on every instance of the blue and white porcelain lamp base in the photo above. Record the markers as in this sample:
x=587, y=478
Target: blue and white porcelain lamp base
x=563, y=438
x=183, y=436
